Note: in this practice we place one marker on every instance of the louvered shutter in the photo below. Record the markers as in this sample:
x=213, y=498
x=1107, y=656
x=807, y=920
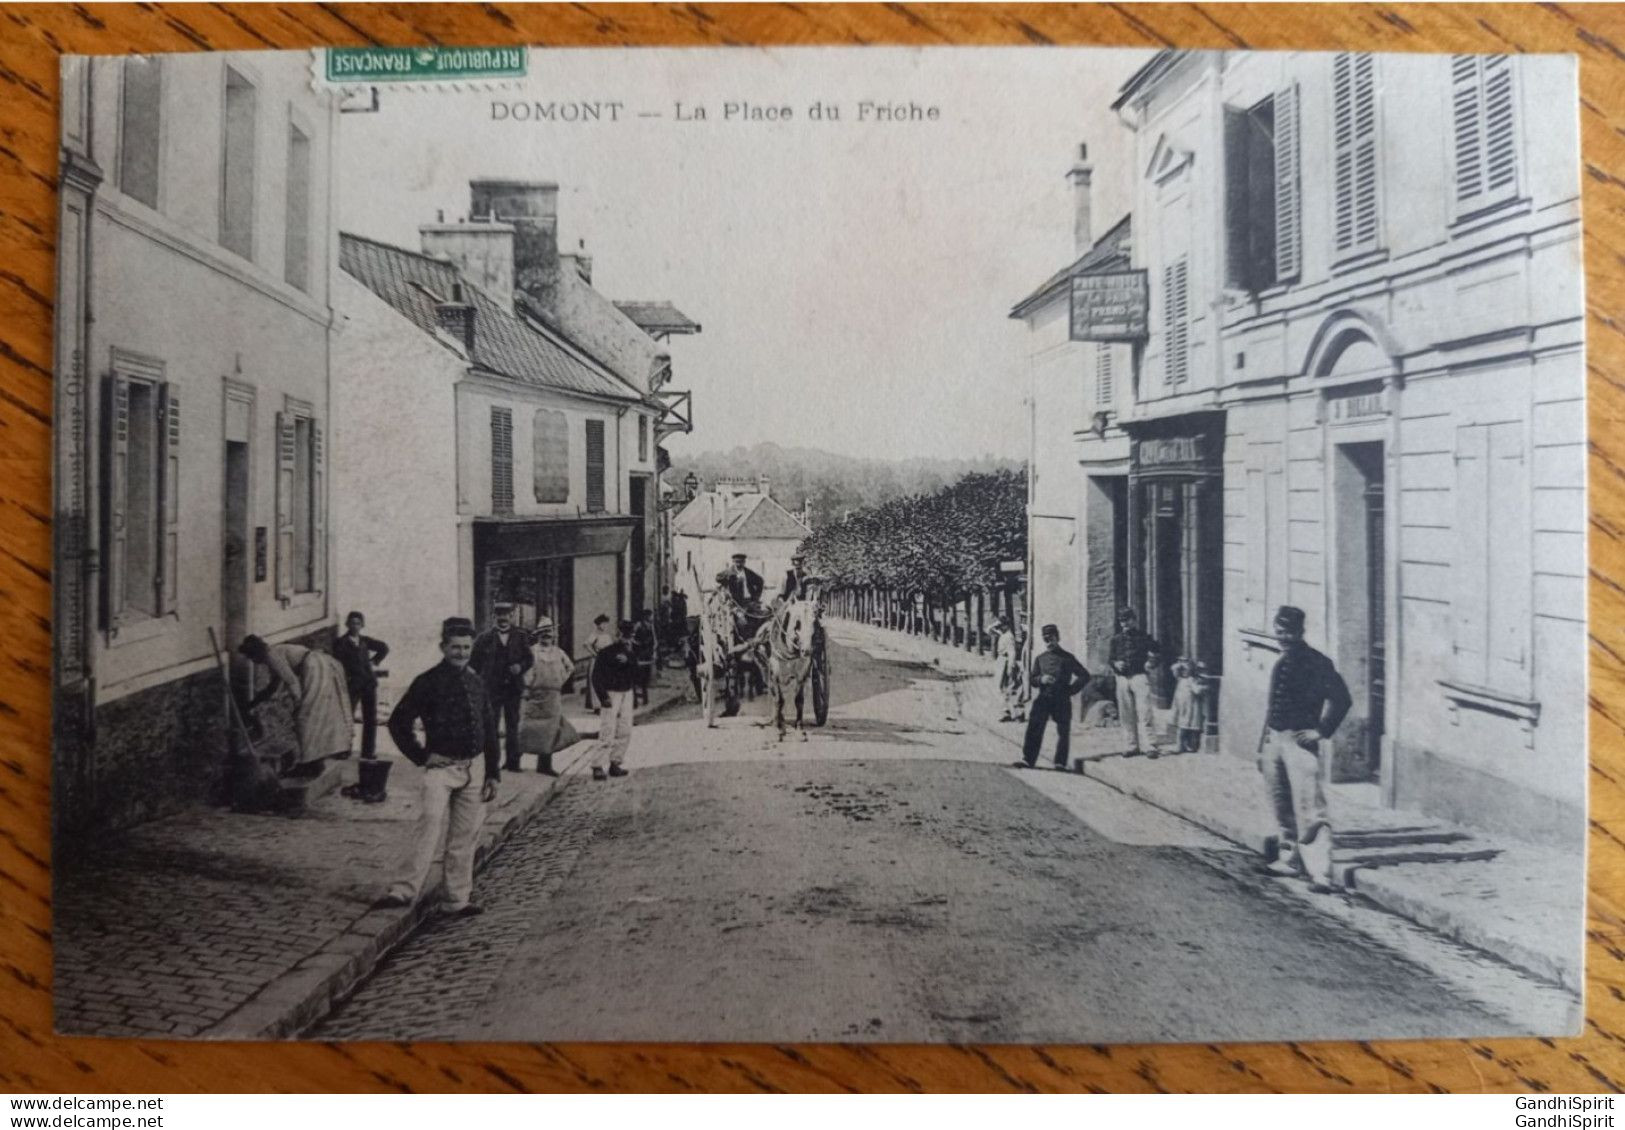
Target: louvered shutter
x=117, y=499
x=1470, y=582
x=285, y=442
x=501, y=461
x=1500, y=142
x=1467, y=112
x=1176, y=323
x=1288, y=187
x=167, y=582
x=595, y=465
x=1105, y=393
x=1354, y=141
x=318, y=510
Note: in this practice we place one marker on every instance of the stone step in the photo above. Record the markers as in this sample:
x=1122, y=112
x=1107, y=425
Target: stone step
x=1419, y=854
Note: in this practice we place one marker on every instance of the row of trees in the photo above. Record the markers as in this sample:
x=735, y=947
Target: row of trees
x=944, y=546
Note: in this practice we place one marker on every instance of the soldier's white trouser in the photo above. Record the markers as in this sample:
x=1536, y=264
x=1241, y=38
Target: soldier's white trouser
x=614, y=730
x=1134, y=711
x=449, y=805
x=1297, y=790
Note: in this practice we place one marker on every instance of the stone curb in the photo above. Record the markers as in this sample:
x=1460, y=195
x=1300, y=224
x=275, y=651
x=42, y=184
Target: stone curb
x=291, y=1004
x=1392, y=893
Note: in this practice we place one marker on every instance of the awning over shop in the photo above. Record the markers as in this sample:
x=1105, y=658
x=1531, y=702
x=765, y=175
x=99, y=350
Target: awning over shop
x=529, y=539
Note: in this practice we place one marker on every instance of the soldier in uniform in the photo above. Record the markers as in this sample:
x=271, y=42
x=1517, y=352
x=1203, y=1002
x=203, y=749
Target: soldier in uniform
x=1307, y=702
x=1055, y=677
x=1130, y=648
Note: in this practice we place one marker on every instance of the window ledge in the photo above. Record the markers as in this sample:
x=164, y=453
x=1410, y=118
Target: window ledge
x=303, y=599
x=144, y=628
x=1355, y=260
x=1485, y=215
x=1525, y=711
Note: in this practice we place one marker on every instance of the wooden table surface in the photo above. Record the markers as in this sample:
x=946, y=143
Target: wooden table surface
x=32, y=1058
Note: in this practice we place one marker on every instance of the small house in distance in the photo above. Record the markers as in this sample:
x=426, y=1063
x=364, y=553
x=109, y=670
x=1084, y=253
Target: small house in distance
x=736, y=515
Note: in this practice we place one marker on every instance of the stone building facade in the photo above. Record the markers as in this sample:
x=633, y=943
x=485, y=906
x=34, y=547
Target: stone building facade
x=1362, y=393
x=192, y=389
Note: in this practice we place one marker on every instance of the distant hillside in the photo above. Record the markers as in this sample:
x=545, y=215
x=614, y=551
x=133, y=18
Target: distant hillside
x=835, y=483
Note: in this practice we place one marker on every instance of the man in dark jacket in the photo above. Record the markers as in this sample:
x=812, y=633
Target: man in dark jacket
x=459, y=728
x=1055, y=677
x=360, y=656
x=501, y=657
x=1130, y=648
x=615, y=677
x=1307, y=702
x=743, y=583
x=795, y=580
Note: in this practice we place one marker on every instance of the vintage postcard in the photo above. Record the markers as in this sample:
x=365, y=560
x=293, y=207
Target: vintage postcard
x=977, y=545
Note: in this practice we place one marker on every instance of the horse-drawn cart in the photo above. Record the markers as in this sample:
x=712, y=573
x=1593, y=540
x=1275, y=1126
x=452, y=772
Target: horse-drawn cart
x=739, y=650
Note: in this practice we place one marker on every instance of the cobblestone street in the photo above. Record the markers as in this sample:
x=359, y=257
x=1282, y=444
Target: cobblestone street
x=897, y=882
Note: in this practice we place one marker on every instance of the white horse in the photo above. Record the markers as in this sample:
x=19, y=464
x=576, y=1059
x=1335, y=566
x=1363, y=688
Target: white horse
x=790, y=657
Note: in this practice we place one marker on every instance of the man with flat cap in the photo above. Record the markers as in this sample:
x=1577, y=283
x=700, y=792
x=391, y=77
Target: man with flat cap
x=459, y=729
x=1055, y=677
x=743, y=583
x=501, y=658
x=1307, y=702
x=795, y=580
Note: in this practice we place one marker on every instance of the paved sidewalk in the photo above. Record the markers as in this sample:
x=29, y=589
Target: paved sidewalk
x=1520, y=902
x=234, y=926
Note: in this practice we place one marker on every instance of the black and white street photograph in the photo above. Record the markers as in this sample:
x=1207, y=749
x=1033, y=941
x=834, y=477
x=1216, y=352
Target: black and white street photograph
x=862, y=545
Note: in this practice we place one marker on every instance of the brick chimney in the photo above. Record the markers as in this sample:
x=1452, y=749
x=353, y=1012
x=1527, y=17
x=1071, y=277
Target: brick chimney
x=531, y=208
x=456, y=317
x=1079, y=177
x=482, y=252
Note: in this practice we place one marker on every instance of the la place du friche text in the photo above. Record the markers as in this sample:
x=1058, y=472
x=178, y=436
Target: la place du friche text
x=592, y=111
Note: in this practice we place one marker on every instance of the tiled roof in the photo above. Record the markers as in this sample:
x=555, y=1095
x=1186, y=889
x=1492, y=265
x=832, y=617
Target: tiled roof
x=659, y=317
x=1110, y=253
x=504, y=343
x=746, y=516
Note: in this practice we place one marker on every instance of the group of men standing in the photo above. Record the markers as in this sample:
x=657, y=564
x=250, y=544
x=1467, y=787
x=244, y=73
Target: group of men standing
x=1307, y=701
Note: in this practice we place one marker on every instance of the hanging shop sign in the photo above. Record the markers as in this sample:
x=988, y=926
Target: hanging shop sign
x=1110, y=307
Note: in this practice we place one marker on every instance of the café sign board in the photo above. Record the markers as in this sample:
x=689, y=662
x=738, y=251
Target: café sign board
x=1111, y=306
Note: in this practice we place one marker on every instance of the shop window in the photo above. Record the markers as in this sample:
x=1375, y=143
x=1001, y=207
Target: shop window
x=301, y=544
x=140, y=115
x=1354, y=152
x=1482, y=113
x=1493, y=565
x=296, y=242
x=1176, y=322
x=595, y=465
x=237, y=166
x=501, y=461
x=143, y=496
x=550, y=456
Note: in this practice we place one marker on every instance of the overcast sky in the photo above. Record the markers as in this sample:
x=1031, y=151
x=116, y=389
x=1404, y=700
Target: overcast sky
x=854, y=279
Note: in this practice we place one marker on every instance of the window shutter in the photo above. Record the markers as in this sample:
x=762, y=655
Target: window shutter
x=1175, y=323
x=501, y=461
x=1467, y=114
x=1288, y=187
x=1236, y=234
x=595, y=465
x=1470, y=584
x=1354, y=139
x=167, y=581
x=284, y=505
x=1500, y=143
x=118, y=462
x=318, y=510
x=1104, y=378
